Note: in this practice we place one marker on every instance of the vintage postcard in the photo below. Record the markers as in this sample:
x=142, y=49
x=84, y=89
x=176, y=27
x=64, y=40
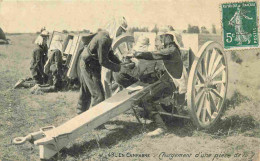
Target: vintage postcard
x=89, y=80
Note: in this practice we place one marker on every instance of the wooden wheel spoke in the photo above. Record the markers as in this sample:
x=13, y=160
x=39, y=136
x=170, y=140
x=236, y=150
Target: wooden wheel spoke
x=207, y=106
x=200, y=106
x=218, y=71
x=224, y=79
x=203, y=67
x=218, y=82
x=204, y=110
x=198, y=86
x=212, y=103
x=198, y=96
x=206, y=63
x=201, y=77
x=216, y=93
x=126, y=46
x=216, y=63
x=119, y=50
x=211, y=62
x=119, y=54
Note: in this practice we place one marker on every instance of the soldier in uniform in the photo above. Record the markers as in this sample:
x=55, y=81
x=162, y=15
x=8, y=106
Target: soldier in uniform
x=39, y=57
x=37, y=62
x=168, y=51
x=96, y=55
x=53, y=66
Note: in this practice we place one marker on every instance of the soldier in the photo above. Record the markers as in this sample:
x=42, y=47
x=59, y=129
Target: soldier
x=168, y=51
x=95, y=55
x=45, y=33
x=115, y=27
x=37, y=62
x=53, y=66
x=39, y=57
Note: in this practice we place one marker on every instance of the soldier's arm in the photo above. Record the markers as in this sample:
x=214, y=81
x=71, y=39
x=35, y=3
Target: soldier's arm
x=155, y=55
x=103, y=51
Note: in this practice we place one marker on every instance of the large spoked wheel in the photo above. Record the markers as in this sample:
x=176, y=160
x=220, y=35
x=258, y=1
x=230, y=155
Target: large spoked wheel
x=207, y=85
x=122, y=45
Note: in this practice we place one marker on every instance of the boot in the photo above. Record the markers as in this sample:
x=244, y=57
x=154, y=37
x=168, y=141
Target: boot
x=157, y=132
x=100, y=127
x=79, y=111
x=19, y=83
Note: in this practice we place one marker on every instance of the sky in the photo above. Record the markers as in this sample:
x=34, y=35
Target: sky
x=31, y=16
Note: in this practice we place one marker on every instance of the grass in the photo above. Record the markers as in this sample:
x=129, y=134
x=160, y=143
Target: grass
x=22, y=113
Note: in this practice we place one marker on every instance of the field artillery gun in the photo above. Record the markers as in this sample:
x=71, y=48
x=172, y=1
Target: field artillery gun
x=207, y=87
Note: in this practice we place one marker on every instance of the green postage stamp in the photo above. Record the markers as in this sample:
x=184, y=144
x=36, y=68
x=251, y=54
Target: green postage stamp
x=240, y=25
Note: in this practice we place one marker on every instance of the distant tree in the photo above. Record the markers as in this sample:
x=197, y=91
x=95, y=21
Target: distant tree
x=155, y=29
x=99, y=29
x=214, y=31
x=86, y=31
x=65, y=31
x=137, y=29
x=184, y=31
x=204, y=30
x=170, y=28
x=144, y=29
x=189, y=30
x=196, y=29
x=193, y=29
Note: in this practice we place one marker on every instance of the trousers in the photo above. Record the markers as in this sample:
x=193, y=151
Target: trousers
x=91, y=90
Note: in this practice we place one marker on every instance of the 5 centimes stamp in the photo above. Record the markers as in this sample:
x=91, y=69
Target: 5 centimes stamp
x=239, y=24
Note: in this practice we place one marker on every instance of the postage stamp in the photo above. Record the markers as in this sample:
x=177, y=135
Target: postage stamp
x=240, y=25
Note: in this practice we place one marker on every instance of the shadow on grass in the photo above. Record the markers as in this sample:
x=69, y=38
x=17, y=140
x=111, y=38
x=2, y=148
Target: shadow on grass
x=180, y=127
x=235, y=125
x=235, y=100
x=114, y=136
x=125, y=133
x=230, y=126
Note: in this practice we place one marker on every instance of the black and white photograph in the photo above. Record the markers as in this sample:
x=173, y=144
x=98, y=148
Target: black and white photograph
x=129, y=80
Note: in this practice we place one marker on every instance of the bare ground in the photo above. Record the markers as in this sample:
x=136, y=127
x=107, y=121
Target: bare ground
x=21, y=113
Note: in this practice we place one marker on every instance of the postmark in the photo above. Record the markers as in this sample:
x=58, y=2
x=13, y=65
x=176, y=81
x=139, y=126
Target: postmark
x=240, y=25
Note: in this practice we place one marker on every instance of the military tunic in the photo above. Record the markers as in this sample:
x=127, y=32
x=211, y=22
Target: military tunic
x=37, y=65
x=98, y=53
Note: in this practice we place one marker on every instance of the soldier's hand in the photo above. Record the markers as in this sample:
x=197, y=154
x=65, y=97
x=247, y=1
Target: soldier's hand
x=136, y=54
x=127, y=66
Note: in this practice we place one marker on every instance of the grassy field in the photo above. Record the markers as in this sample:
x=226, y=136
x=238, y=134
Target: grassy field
x=21, y=113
